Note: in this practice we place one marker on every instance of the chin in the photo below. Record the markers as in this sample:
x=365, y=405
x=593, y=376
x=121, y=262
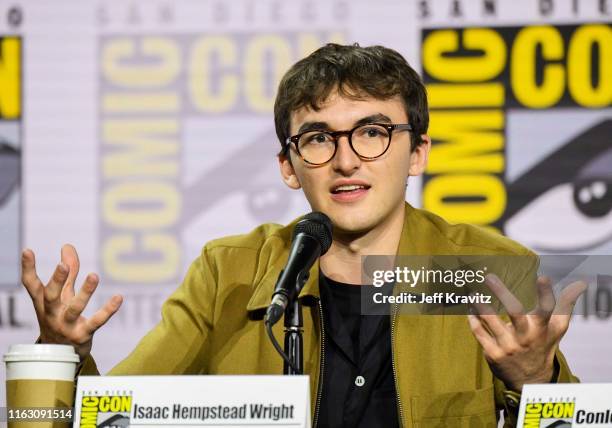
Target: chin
x=359, y=221
x=352, y=226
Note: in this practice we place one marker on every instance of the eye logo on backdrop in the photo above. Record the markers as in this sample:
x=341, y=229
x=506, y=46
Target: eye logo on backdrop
x=575, y=183
x=10, y=159
x=521, y=127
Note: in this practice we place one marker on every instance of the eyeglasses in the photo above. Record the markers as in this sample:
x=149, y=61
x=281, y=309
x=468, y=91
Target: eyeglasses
x=368, y=141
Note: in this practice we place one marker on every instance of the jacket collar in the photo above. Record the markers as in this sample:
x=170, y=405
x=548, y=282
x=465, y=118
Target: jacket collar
x=264, y=287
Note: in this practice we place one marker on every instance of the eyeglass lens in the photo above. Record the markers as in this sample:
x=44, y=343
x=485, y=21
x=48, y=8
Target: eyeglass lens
x=369, y=141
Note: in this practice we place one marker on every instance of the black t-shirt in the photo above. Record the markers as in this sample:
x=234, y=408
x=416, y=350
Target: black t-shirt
x=358, y=383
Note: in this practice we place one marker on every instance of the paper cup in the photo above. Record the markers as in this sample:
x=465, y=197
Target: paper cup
x=39, y=376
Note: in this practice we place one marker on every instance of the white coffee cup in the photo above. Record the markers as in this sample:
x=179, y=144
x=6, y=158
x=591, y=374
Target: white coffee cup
x=39, y=376
x=41, y=361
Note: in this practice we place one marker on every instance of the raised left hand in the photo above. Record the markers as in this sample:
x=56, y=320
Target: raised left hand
x=523, y=350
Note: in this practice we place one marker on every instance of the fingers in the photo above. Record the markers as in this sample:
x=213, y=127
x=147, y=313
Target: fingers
x=482, y=335
x=546, y=300
x=569, y=296
x=30, y=279
x=494, y=324
x=77, y=304
x=513, y=306
x=100, y=318
x=70, y=257
x=54, y=288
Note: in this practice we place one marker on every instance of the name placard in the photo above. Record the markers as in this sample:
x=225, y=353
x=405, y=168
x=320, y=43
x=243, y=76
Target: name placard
x=228, y=401
x=566, y=405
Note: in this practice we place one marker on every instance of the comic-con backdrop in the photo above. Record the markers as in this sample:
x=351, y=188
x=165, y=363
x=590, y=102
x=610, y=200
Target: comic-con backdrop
x=139, y=130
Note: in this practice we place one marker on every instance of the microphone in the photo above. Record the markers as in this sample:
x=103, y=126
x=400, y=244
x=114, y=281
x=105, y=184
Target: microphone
x=312, y=237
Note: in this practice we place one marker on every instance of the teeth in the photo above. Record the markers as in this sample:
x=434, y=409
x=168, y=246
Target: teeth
x=348, y=188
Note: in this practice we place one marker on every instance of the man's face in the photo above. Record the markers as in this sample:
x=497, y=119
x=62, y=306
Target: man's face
x=382, y=181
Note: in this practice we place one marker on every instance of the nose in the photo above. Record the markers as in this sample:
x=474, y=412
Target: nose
x=345, y=160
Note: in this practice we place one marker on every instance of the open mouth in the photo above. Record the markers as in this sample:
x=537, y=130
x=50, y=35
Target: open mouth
x=349, y=188
x=349, y=192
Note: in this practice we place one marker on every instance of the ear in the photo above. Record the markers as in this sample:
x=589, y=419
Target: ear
x=287, y=171
x=418, y=158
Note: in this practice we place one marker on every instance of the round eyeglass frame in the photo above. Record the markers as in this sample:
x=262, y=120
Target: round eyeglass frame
x=390, y=127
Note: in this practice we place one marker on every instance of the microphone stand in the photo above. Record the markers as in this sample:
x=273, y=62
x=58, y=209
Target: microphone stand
x=294, y=345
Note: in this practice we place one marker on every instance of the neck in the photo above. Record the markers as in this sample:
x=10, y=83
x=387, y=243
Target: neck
x=342, y=262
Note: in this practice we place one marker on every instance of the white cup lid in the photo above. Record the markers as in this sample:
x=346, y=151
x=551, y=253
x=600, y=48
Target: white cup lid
x=41, y=352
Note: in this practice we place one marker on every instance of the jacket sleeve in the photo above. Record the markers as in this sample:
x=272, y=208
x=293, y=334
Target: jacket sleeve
x=177, y=344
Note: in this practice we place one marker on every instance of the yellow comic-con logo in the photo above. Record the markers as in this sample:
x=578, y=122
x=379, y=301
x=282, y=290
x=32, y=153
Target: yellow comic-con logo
x=109, y=411
x=558, y=414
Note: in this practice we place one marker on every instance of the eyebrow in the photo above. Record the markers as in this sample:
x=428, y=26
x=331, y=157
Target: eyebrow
x=324, y=126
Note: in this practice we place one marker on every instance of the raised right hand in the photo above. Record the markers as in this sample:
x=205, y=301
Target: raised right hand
x=59, y=309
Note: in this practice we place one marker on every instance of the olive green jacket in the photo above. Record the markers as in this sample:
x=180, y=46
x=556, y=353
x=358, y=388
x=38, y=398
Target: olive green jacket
x=212, y=325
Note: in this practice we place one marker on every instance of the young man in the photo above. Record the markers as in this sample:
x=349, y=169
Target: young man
x=352, y=123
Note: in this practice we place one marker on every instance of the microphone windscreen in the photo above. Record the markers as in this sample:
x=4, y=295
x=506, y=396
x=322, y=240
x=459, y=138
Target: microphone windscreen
x=318, y=226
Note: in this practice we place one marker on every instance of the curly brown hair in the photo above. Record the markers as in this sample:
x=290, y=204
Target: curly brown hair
x=353, y=71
